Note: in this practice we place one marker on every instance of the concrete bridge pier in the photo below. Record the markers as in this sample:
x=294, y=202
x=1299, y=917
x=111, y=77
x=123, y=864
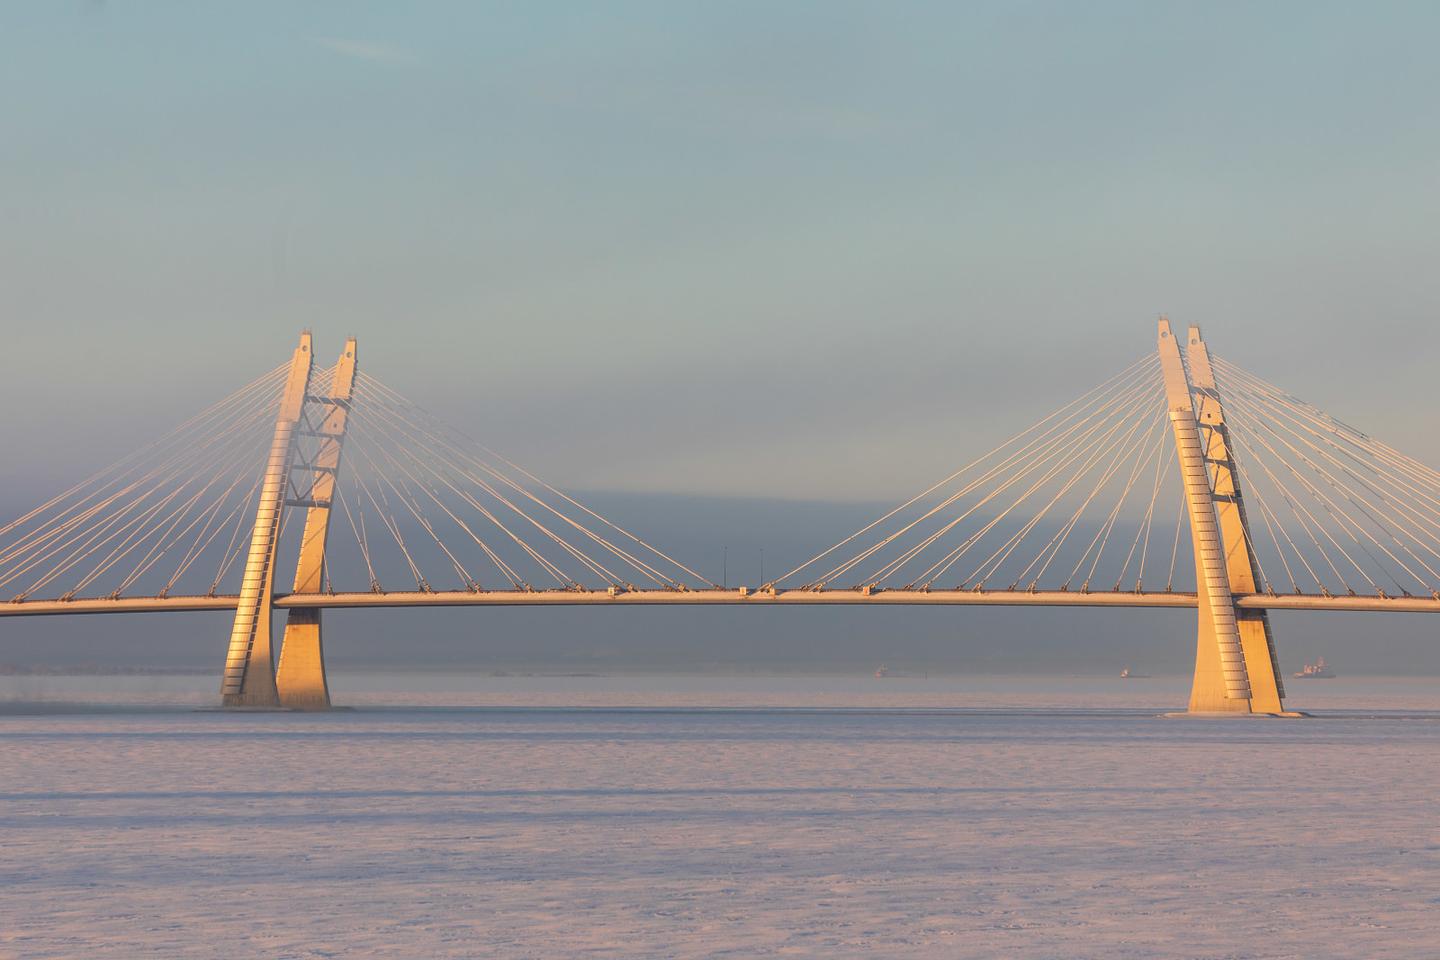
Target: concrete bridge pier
x=301, y=675
x=251, y=679
x=1236, y=668
x=301, y=678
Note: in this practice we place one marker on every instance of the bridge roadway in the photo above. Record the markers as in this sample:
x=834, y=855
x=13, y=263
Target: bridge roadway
x=713, y=597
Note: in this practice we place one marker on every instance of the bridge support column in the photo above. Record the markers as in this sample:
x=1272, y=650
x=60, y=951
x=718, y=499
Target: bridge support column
x=301, y=679
x=249, y=679
x=301, y=675
x=1231, y=675
x=1262, y=664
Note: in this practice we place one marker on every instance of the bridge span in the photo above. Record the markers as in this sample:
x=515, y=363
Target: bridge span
x=734, y=597
x=1181, y=468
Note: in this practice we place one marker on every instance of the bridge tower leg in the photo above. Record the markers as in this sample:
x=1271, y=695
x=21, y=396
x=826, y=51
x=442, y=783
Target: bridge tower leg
x=1262, y=665
x=1231, y=674
x=249, y=664
x=301, y=677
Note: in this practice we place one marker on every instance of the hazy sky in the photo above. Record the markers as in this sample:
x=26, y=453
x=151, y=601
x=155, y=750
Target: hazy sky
x=805, y=250
x=802, y=249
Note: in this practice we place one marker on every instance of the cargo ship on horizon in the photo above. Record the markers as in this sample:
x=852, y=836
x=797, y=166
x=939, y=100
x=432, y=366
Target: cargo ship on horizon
x=1319, y=670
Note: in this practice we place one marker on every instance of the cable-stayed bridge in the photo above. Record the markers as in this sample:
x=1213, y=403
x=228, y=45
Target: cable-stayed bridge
x=1183, y=480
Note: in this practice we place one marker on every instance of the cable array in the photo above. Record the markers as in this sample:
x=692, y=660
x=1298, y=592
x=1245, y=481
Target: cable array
x=425, y=507
x=1332, y=510
x=418, y=506
x=1072, y=502
x=1086, y=499
x=171, y=517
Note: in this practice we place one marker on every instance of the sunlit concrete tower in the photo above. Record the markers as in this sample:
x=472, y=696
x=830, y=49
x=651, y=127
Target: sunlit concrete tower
x=301, y=677
x=250, y=677
x=1236, y=669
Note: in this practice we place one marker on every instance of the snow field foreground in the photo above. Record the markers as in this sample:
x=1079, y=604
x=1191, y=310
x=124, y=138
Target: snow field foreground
x=548, y=832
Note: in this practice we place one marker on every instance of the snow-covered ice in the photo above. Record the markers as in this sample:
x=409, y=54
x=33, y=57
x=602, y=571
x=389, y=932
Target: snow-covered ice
x=672, y=817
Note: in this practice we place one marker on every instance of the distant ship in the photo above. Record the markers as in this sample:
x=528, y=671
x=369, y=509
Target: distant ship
x=884, y=672
x=1126, y=674
x=1318, y=670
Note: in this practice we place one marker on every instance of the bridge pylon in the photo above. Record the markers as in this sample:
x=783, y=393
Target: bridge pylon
x=249, y=679
x=1236, y=669
x=301, y=676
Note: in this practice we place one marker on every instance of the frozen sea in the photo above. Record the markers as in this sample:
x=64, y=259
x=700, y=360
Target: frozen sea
x=474, y=816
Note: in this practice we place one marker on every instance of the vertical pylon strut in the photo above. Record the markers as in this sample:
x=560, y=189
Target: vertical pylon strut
x=249, y=664
x=1262, y=665
x=301, y=677
x=1222, y=683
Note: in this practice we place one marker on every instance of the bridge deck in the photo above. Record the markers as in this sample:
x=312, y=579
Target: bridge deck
x=794, y=597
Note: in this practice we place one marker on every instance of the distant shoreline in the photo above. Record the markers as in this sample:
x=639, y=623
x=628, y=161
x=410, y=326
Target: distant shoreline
x=96, y=670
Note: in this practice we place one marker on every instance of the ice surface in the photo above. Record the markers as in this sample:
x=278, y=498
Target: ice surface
x=675, y=817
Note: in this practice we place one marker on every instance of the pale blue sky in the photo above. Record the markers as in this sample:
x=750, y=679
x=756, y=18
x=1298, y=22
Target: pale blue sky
x=808, y=249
